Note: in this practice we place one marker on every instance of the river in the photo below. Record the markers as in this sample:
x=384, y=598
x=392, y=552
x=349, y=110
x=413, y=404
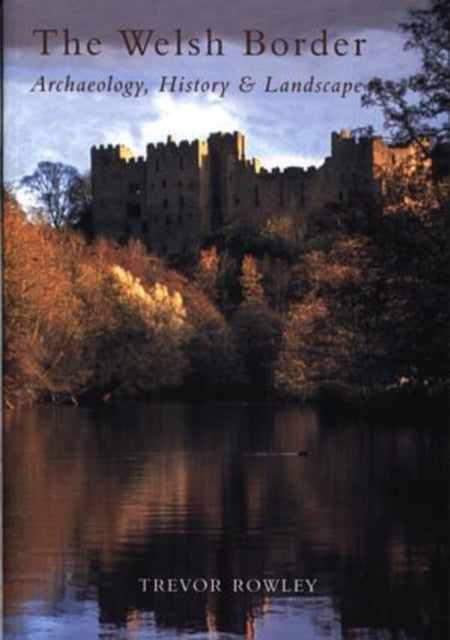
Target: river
x=96, y=500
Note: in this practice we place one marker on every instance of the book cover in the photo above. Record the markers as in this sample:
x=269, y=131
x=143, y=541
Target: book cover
x=226, y=372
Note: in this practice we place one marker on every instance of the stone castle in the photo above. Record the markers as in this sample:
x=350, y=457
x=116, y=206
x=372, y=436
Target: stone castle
x=181, y=193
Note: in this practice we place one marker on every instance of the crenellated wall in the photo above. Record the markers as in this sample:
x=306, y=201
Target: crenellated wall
x=180, y=193
x=119, y=189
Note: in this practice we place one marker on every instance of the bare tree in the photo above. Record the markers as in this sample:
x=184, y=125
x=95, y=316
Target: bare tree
x=60, y=190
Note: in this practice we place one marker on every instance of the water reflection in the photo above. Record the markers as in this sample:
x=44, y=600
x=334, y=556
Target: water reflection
x=96, y=499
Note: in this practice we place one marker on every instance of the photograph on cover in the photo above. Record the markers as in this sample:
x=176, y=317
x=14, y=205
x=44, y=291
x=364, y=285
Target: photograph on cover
x=226, y=376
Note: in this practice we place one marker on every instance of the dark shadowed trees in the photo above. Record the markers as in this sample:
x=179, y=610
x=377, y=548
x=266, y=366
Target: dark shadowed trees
x=60, y=192
x=417, y=107
x=256, y=327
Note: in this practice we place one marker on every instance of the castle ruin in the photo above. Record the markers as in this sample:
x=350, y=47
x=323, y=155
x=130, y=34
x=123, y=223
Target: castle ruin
x=181, y=193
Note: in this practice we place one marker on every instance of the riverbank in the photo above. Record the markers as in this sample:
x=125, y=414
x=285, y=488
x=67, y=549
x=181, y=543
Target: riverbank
x=417, y=405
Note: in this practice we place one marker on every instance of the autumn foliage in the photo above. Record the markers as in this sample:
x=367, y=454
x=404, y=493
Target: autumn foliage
x=359, y=309
x=96, y=321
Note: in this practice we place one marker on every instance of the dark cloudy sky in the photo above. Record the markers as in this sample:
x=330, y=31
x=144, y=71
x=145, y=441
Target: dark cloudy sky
x=282, y=129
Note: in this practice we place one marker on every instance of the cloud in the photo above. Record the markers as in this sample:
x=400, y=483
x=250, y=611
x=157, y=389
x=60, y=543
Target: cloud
x=102, y=18
x=63, y=127
x=290, y=160
x=189, y=118
x=279, y=127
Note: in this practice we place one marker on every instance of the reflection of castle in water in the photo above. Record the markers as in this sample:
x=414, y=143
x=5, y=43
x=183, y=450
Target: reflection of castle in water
x=173, y=497
x=181, y=193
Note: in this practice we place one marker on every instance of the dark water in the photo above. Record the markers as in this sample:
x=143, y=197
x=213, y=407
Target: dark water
x=96, y=499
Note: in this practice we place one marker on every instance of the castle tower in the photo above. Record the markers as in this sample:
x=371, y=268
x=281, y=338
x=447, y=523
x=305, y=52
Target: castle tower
x=118, y=193
x=226, y=152
x=177, y=184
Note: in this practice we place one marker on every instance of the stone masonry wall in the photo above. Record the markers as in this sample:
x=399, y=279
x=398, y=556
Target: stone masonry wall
x=180, y=193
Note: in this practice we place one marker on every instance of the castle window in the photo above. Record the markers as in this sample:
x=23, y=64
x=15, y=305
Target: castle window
x=165, y=203
x=180, y=183
x=164, y=183
x=181, y=201
x=180, y=218
x=341, y=197
x=167, y=221
x=237, y=201
x=134, y=188
x=181, y=163
x=144, y=227
x=133, y=210
x=157, y=165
